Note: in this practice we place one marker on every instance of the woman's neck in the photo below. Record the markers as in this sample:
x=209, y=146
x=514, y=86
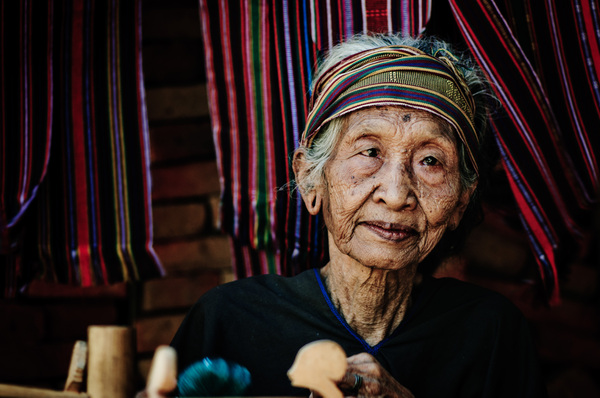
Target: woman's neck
x=372, y=301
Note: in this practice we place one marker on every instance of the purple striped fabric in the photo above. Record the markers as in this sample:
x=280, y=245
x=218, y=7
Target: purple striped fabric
x=544, y=60
x=75, y=152
x=26, y=75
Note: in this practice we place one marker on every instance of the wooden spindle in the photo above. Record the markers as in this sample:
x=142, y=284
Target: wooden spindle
x=110, y=362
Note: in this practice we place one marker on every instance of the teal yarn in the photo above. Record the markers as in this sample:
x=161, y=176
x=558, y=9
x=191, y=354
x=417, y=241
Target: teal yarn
x=213, y=378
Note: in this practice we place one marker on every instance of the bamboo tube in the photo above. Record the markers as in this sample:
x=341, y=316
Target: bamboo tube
x=110, y=362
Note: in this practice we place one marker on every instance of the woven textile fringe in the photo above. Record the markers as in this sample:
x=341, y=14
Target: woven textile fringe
x=74, y=152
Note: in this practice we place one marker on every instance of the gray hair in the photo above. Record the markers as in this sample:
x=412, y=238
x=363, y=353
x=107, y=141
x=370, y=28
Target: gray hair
x=323, y=146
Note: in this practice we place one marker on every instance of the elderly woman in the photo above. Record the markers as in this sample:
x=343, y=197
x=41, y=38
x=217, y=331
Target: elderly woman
x=391, y=158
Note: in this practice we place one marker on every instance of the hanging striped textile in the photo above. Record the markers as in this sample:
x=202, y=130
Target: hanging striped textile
x=26, y=119
x=543, y=58
x=82, y=217
x=259, y=61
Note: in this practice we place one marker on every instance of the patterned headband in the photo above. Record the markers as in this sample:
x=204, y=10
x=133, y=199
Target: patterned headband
x=394, y=75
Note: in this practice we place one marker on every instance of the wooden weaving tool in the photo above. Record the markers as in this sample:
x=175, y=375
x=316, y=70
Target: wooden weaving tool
x=319, y=366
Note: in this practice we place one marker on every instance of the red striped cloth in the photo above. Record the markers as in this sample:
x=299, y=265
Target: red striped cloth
x=74, y=152
x=544, y=60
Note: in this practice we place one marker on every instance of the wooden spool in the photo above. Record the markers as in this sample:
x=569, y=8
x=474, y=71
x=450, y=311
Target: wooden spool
x=110, y=362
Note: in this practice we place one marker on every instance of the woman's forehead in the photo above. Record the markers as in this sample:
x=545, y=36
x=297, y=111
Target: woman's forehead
x=381, y=118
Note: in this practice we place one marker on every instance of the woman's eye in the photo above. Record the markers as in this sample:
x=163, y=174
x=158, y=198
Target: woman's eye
x=430, y=161
x=371, y=152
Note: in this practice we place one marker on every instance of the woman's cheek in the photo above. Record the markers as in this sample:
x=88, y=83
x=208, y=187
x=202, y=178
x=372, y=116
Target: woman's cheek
x=339, y=211
x=438, y=204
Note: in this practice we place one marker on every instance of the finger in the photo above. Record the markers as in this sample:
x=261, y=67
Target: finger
x=351, y=384
x=347, y=381
x=364, y=363
x=362, y=357
x=366, y=369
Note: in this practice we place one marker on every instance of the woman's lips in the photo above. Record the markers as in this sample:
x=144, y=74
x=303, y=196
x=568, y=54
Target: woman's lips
x=390, y=231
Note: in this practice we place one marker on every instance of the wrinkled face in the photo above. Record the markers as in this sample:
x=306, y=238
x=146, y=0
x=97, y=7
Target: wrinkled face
x=392, y=187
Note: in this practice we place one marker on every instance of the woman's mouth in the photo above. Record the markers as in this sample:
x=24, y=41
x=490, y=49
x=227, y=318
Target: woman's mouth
x=390, y=231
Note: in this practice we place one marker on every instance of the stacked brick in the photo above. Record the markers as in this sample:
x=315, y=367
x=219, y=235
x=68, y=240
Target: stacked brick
x=185, y=181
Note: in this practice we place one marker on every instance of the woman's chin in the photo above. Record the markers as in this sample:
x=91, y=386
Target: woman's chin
x=385, y=257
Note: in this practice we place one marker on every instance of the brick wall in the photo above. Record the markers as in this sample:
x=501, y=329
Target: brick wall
x=185, y=181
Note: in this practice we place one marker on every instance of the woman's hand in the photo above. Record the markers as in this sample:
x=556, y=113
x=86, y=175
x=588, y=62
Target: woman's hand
x=376, y=381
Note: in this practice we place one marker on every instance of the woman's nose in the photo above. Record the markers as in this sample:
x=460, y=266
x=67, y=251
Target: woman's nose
x=395, y=187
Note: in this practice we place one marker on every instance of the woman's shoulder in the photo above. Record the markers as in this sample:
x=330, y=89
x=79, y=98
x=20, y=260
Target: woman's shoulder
x=457, y=296
x=461, y=287
x=261, y=287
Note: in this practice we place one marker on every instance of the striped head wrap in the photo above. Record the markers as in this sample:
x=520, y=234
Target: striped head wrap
x=395, y=75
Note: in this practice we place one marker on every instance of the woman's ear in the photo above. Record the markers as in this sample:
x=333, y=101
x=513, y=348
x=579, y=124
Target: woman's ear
x=311, y=196
x=312, y=201
x=461, y=207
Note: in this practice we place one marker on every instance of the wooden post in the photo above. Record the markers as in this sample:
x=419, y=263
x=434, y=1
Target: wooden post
x=110, y=362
